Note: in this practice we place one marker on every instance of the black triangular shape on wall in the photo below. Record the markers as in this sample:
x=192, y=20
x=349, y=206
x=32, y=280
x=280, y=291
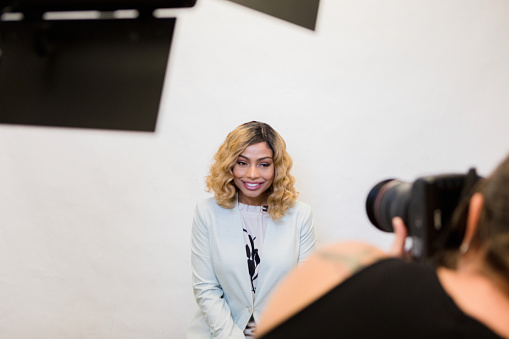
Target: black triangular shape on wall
x=300, y=12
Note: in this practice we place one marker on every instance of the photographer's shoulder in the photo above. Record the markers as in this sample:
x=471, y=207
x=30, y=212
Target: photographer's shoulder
x=325, y=269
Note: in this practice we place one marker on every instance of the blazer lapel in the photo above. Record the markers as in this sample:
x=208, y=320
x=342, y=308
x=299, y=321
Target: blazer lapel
x=233, y=245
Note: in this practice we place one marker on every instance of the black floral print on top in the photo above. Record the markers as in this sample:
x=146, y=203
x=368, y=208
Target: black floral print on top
x=253, y=259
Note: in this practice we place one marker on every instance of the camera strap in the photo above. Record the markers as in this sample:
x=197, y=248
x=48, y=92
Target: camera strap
x=452, y=235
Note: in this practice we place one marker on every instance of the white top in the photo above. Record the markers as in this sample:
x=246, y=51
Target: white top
x=254, y=224
x=221, y=281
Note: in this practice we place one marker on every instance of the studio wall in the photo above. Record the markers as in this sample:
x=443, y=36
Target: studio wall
x=95, y=225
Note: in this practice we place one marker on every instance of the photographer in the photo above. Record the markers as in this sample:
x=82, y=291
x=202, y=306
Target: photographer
x=355, y=290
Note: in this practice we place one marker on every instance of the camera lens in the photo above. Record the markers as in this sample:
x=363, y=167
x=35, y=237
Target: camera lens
x=386, y=200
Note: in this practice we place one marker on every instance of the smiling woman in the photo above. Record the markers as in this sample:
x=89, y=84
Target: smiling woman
x=253, y=174
x=250, y=235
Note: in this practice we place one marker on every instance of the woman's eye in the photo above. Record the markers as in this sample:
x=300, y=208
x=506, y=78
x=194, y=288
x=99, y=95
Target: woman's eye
x=265, y=164
x=241, y=163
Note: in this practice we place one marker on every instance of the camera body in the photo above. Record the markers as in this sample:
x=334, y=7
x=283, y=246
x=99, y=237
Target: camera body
x=426, y=206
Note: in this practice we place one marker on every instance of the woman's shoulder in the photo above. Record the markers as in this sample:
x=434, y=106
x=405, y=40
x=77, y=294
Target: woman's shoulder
x=300, y=206
x=207, y=203
x=210, y=205
x=298, y=210
x=206, y=210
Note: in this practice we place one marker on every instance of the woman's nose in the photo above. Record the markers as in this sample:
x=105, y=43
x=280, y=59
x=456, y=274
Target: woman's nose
x=252, y=172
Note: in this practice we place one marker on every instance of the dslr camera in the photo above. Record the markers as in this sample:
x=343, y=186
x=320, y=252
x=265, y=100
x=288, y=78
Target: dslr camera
x=426, y=206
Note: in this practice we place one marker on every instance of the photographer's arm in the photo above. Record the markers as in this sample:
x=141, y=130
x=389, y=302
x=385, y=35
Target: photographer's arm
x=324, y=270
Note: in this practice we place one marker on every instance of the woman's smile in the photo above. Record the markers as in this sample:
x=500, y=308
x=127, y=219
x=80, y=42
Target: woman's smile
x=252, y=185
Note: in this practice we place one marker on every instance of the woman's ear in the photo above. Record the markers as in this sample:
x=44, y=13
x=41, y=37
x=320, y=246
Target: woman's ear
x=474, y=214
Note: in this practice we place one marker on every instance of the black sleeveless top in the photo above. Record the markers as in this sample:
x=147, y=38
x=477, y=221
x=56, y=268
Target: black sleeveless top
x=389, y=299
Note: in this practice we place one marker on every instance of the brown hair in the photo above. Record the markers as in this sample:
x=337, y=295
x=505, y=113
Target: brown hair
x=492, y=233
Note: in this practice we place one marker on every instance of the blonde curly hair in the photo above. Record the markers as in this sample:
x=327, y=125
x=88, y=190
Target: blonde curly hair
x=281, y=194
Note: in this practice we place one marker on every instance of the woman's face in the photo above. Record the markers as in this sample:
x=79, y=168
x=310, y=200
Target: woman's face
x=253, y=174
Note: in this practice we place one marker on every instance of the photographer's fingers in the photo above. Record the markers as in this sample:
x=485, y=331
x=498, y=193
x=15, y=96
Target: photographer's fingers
x=400, y=231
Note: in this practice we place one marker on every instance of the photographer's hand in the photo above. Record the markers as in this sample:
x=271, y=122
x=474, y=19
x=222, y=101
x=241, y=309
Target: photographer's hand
x=398, y=246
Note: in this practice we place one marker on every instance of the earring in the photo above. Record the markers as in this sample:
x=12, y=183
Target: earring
x=464, y=248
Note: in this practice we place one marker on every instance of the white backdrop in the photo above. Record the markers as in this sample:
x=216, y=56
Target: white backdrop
x=95, y=225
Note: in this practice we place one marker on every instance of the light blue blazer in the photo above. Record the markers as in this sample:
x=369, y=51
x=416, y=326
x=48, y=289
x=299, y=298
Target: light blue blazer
x=221, y=281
